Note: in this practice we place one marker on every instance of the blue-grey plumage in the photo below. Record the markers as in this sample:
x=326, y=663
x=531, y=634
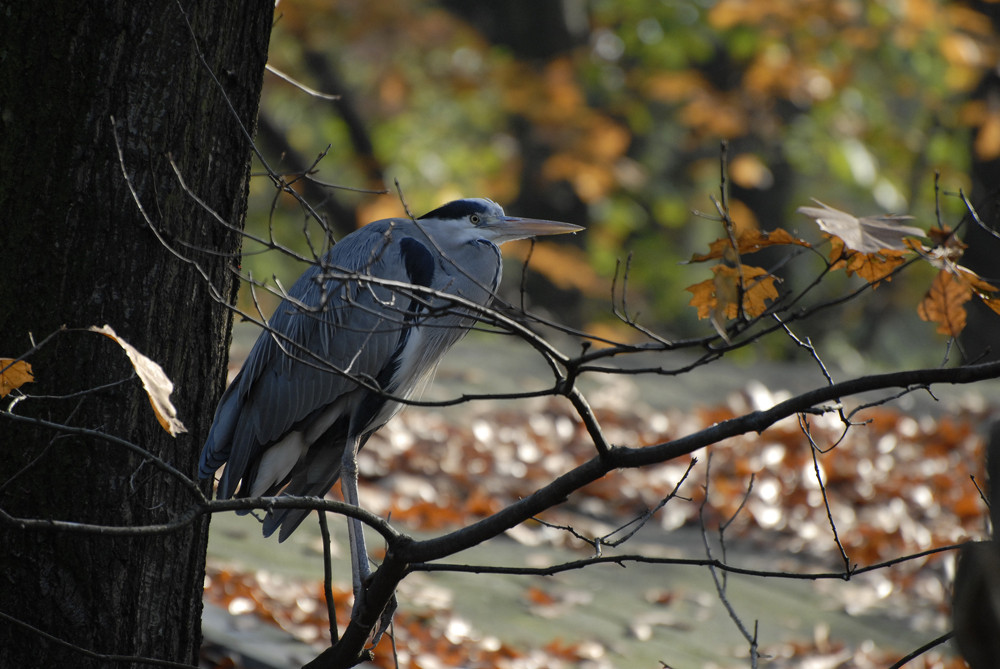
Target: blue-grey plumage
x=339, y=348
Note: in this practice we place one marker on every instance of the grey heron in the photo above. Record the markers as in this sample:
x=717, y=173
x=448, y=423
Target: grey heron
x=347, y=344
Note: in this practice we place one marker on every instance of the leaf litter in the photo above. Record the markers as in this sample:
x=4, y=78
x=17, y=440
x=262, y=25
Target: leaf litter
x=898, y=485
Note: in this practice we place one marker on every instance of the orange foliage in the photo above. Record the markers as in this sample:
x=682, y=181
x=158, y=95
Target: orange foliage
x=987, y=142
x=13, y=375
x=715, y=114
x=667, y=86
x=943, y=304
x=750, y=241
x=719, y=298
x=872, y=267
x=567, y=267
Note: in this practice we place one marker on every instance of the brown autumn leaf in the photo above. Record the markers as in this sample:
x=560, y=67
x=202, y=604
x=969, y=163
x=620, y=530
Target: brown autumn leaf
x=875, y=267
x=758, y=291
x=945, y=251
x=158, y=386
x=993, y=303
x=537, y=596
x=717, y=297
x=703, y=297
x=943, y=303
x=985, y=291
x=13, y=375
x=945, y=236
x=750, y=241
x=977, y=284
x=872, y=267
x=868, y=234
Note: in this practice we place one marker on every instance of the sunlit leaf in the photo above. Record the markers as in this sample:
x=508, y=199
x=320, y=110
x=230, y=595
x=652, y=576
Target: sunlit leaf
x=154, y=380
x=993, y=303
x=719, y=296
x=758, y=290
x=979, y=286
x=943, y=304
x=868, y=234
x=726, y=294
x=875, y=267
x=13, y=375
x=750, y=241
x=872, y=267
x=703, y=297
x=985, y=291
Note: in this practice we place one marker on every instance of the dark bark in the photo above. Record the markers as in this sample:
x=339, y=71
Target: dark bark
x=77, y=252
x=979, y=338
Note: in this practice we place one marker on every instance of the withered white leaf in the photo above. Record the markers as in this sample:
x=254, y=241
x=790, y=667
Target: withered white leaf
x=867, y=234
x=158, y=386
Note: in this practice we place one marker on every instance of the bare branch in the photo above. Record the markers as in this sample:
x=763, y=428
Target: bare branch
x=804, y=426
x=299, y=85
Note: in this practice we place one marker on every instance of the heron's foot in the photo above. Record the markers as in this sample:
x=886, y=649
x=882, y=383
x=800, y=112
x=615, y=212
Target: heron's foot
x=360, y=568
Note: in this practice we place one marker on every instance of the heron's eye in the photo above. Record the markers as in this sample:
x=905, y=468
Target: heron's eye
x=474, y=219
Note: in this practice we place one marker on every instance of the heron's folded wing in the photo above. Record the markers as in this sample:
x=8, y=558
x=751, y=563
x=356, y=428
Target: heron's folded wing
x=333, y=336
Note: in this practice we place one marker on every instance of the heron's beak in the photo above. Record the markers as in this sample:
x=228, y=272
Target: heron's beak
x=510, y=228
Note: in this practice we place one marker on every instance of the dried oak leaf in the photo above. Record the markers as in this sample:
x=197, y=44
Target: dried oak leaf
x=872, y=267
x=993, y=303
x=750, y=240
x=717, y=297
x=867, y=234
x=985, y=291
x=13, y=375
x=945, y=236
x=155, y=381
x=943, y=303
x=979, y=286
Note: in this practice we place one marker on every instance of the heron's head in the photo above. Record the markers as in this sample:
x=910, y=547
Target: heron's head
x=479, y=218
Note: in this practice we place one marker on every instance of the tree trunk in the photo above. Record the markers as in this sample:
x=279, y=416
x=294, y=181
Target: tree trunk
x=76, y=251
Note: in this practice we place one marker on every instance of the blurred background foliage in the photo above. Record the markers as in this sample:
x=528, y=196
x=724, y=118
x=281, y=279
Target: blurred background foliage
x=610, y=114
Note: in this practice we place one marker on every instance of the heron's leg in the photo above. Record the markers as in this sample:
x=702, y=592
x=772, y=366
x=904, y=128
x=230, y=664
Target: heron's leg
x=360, y=569
x=349, y=486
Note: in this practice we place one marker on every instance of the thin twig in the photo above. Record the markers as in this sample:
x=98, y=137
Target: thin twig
x=331, y=608
x=720, y=585
x=933, y=643
x=299, y=85
x=115, y=658
x=804, y=426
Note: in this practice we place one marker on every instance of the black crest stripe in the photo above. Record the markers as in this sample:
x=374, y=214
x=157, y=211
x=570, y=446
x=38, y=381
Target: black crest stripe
x=457, y=209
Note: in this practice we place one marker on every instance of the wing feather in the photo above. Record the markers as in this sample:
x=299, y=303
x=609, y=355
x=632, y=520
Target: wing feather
x=332, y=322
x=288, y=378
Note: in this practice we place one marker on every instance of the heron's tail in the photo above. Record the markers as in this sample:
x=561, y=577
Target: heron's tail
x=312, y=477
